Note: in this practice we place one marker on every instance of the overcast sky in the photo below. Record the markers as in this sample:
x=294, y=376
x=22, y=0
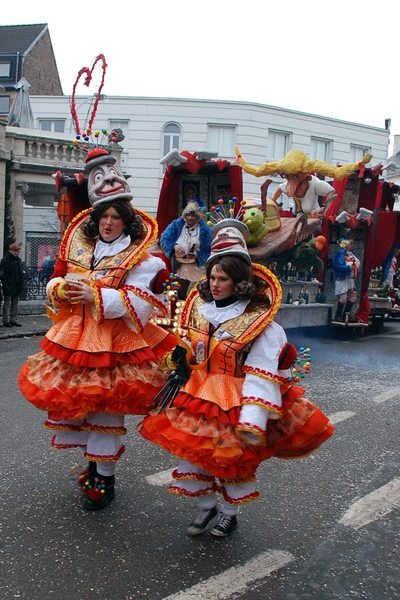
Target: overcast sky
x=338, y=59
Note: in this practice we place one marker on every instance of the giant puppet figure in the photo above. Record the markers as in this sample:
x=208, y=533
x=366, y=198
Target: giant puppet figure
x=301, y=183
x=100, y=359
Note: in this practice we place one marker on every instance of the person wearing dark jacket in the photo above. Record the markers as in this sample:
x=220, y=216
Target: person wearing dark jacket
x=12, y=279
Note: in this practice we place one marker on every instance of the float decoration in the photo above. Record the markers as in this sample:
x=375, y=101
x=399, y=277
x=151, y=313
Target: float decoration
x=89, y=73
x=296, y=161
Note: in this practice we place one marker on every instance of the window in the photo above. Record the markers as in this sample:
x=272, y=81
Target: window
x=40, y=245
x=277, y=145
x=221, y=139
x=123, y=126
x=4, y=69
x=57, y=126
x=357, y=153
x=171, y=139
x=4, y=105
x=320, y=149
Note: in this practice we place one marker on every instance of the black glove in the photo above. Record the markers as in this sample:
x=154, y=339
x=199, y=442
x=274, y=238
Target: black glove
x=181, y=373
x=178, y=354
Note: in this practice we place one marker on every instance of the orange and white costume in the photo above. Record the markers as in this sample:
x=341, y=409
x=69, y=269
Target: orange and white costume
x=100, y=361
x=238, y=407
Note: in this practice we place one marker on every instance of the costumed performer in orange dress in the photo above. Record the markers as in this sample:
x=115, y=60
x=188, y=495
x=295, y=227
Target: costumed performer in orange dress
x=100, y=360
x=238, y=405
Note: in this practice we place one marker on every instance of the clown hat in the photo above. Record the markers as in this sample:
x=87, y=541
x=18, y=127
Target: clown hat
x=229, y=237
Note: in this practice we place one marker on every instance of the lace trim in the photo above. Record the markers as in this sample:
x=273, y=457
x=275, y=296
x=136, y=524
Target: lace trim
x=61, y=426
x=240, y=501
x=104, y=429
x=147, y=296
x=261, y=434
x=65, y=446
x=105, y=457
x=237, y=482
x=179, y=491
x=192, y=476
x=274, y=408
x=131, y=309
x=99, y=305
x=265, y=374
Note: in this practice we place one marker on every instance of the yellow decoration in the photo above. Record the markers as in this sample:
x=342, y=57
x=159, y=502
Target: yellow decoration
x=56, y=291
x=271, y=214
x=254, y=219
x=296, y=161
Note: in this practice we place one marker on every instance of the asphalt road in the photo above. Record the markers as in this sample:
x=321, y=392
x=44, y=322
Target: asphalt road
x=325, y=527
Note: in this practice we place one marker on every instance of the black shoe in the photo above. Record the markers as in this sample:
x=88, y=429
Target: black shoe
x=15, y=324
x=7, y=325
x=338, y=320
x=201, y=521
x=224, y=526
x=101, y=493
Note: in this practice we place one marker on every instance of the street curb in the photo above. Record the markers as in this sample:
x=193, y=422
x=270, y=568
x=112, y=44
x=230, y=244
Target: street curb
x=22, y=334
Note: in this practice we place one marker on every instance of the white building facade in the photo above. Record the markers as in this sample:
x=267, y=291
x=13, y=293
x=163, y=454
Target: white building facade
x=153, y=126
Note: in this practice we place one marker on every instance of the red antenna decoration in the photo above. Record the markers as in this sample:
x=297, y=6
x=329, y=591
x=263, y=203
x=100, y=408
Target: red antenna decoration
x=88, y=72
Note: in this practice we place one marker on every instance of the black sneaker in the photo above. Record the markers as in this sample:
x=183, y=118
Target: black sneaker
x=7, y=324
x=201, y=521
x=224, y=526
x=15, y=324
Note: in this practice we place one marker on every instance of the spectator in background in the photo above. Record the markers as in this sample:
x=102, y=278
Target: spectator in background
x=187, y=242
x=47, y=268
x=12, y=279
x=389, y=267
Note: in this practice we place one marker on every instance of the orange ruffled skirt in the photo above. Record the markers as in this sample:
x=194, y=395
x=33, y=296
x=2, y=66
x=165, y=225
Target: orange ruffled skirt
x=71, y=392
x=202, y=433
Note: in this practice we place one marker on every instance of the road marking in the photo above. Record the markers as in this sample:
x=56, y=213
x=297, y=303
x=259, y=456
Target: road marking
x=161, y=478
x=387, y=395
x=236, y=579
x=341, y=416
x=374, y=506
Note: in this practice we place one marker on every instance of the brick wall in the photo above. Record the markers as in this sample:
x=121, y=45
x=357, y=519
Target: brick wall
x=40, y=69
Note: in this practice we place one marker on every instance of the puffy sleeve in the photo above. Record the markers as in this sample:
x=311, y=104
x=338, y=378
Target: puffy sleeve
x=262, y=377
x=261, y=395
x=134, y=301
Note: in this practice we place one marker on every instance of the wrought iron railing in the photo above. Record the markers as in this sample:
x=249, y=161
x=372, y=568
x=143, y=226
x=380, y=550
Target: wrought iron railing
x=35, y=281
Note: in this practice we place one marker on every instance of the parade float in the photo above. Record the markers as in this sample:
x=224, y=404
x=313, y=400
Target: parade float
x=298, y=248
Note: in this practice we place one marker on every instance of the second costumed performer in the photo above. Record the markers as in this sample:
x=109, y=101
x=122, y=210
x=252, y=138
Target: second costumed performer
x=100, y=360
x=238, y=404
